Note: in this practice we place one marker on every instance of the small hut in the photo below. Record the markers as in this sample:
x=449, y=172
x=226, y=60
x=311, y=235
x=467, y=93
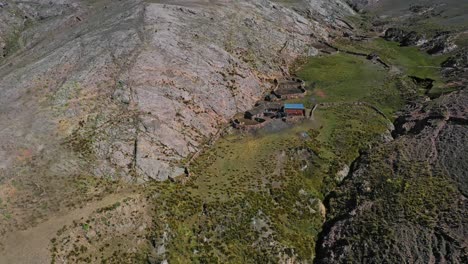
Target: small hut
x=256, y=112
x=294, y=109
x=271, y=109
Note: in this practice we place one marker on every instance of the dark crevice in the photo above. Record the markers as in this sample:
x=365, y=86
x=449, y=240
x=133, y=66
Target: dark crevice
x=458, y=121
x=330, y=223
x=135, y=152
x=425, y=83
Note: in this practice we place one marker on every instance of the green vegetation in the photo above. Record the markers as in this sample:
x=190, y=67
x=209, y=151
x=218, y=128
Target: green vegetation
x=409, y=60
x=4, y=211
x=423, y=198
x=252, y=189
x=13, y=43
x=349, y=128
x=109, y=208
x=241, y=181
x=249, y=189
x=85, y=227
x=242, y=160
x=347, y=78
x=342, y=77
x=265, y=188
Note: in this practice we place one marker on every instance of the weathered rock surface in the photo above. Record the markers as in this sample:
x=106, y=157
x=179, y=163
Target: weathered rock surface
x=361, y=4
x=136, y=87
x=459, y=60
x=404, y=38
x=455, y=68
x=406, y=201
x=131, y=89
x=441, y=43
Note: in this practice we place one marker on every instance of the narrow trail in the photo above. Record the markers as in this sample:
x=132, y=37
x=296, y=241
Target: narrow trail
x=31, y=246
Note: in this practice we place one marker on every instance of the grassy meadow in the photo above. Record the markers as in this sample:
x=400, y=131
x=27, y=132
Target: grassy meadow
x=256, y=197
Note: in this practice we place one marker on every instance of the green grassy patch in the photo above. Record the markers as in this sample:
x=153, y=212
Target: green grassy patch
x=347, y=78
x=342, y=77
x=240, y=161
x=409, y=60
x=348, y=129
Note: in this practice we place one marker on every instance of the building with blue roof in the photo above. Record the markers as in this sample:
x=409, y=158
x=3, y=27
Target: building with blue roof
x=294, y=109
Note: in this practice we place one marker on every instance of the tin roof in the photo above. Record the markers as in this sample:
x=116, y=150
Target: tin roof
x=294, y=106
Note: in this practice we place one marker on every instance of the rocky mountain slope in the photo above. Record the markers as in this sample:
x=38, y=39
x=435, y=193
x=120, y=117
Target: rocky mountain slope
x=405, y=201
x=95, y=95
x=136, y=87
x=132, y=89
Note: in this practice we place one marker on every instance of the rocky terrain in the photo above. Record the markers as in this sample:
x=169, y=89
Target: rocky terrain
x=104, y=104
x=405, y=201
x=94, y=92
x=132, y=85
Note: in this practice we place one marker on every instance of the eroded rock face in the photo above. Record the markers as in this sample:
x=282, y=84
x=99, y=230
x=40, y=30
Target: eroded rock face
x=455, y=68
x=17, y=16
x=403, y=37
x=441, y=43
x=459, y=60
x=406, y=200
x=133, y=88
x=361, y=4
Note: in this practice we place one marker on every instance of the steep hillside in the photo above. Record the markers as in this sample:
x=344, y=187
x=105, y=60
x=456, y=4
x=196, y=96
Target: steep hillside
x=405, y=200
x=93, y=92
x=115, y=145
x=135, y=87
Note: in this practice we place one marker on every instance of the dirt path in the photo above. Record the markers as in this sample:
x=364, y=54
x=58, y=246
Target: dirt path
x=31, y=246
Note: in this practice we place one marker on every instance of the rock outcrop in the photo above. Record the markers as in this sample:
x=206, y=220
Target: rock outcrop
x=441, y=43
x=403, y=37
x=132, y=88
x=406, y=200
x=361, y=4
x=455, y=68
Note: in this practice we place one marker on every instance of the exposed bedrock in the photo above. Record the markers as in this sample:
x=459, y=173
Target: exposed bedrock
x=361, y=4
x=439, y=44
x=133, y=88
x=455, y=68
x=406, y=200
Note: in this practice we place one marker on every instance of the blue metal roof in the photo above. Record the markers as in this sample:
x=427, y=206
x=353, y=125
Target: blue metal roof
x=294, y=106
